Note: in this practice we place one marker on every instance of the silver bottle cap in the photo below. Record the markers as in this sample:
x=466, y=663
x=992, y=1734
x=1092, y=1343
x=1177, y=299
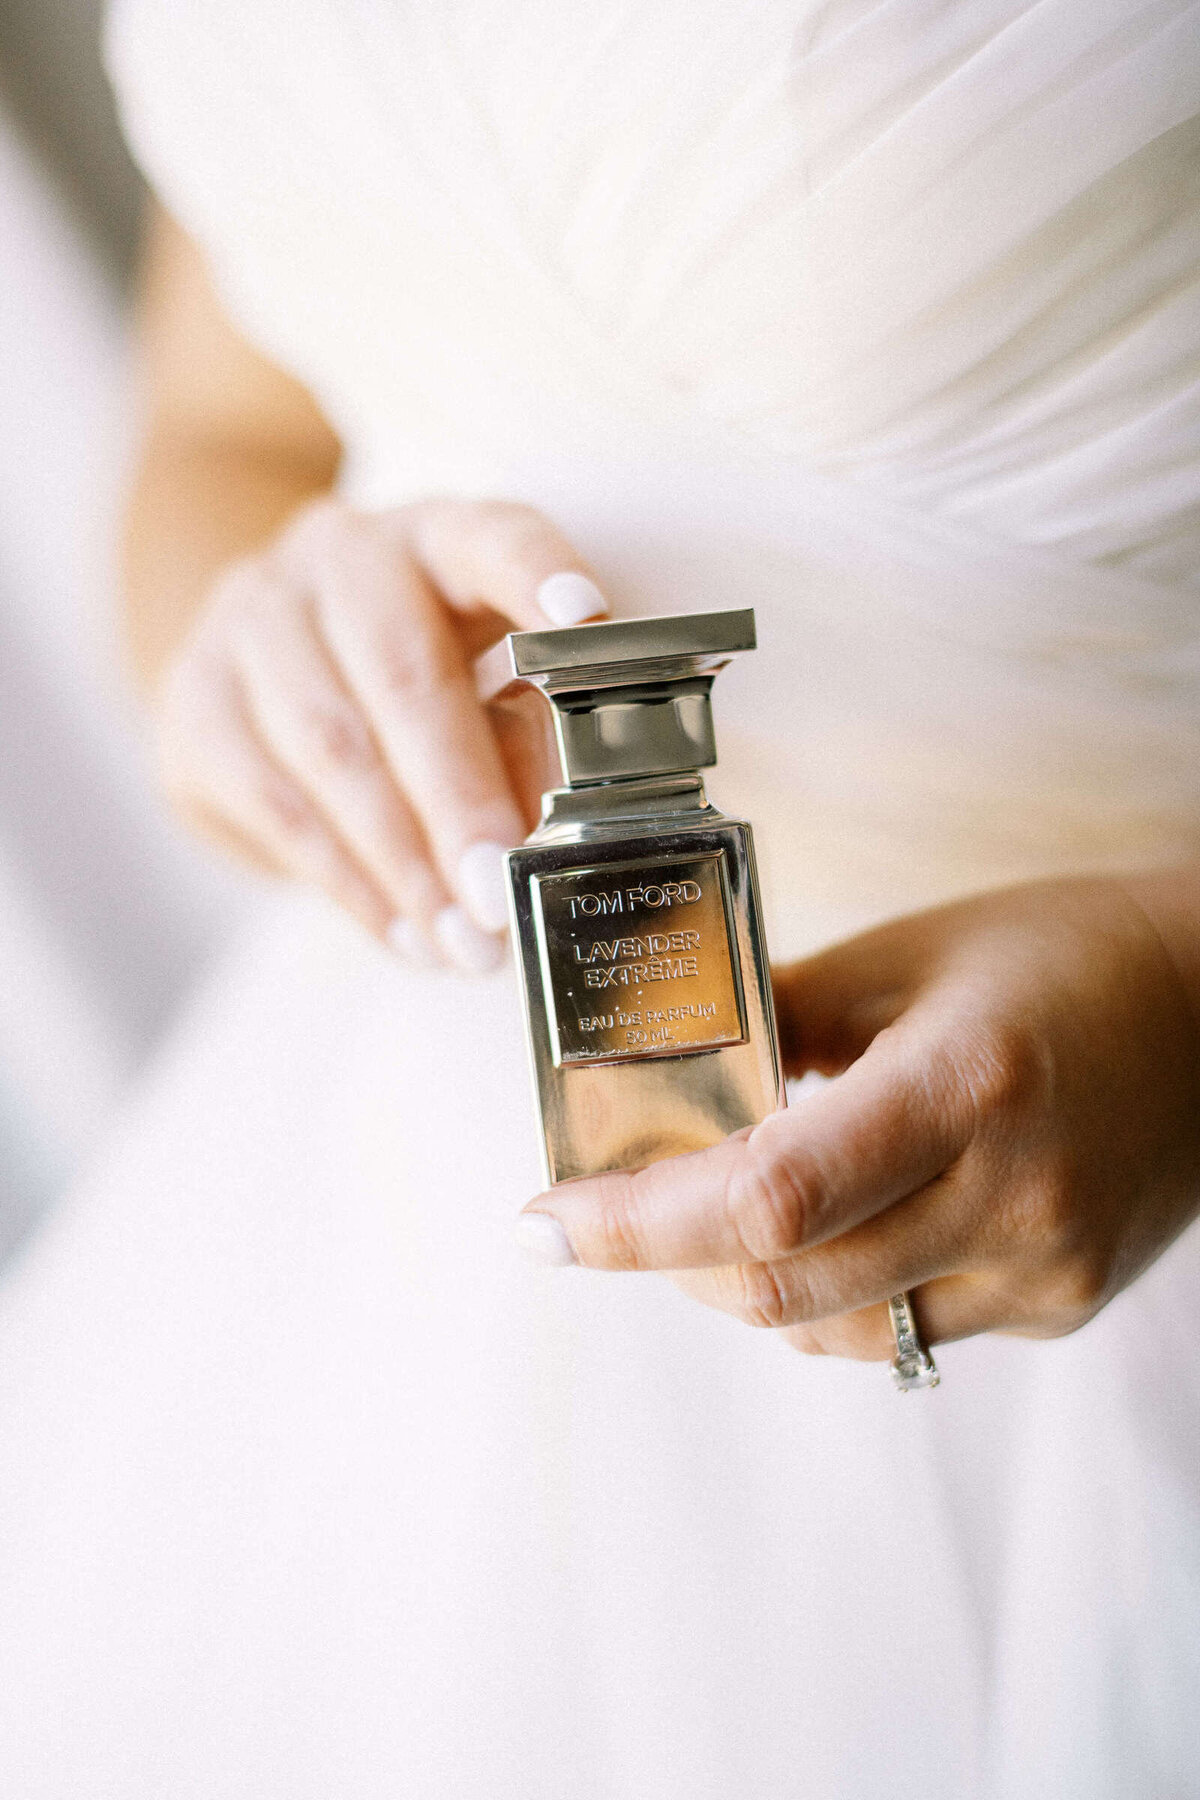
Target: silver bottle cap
x=630, y=696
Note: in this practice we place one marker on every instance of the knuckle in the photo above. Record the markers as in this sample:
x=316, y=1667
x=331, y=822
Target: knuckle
x=287, y=813
x=1045, y=1215
x=417, y=669
x=1075, y=1293
x=334, y=737
x=769, y=1201
x=347, y=887
x=763, y=1298
x=1002, y=1070
x=1059, y=1275
x=617, y=1227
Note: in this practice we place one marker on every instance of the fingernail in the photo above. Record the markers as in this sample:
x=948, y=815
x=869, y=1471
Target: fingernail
x=569, y=597
x=483, y=886
x=543, y=1239
x=409, y=943
x=469, y=949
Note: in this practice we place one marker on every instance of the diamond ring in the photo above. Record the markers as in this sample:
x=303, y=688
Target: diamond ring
x=912, y=1366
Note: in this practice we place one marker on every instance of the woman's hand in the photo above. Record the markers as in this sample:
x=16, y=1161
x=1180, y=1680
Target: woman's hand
x=322, y=719
x=1014, y=1130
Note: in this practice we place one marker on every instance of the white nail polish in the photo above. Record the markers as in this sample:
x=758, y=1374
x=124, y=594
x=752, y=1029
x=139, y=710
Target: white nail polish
x=568, y=598
x=543, y=1239
x=470, y=950
x=409, y=943
x=483, y=886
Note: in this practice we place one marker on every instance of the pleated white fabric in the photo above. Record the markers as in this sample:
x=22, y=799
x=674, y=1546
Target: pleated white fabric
x=882, y=317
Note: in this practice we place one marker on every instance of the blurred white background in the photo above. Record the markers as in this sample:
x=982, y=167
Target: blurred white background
x=105, y=914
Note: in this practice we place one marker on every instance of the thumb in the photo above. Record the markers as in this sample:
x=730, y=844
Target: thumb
x=892, y=1123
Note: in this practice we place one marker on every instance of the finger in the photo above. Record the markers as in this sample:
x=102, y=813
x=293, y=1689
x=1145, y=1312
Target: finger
x=524, y=733
x=311, y=724
x=396, y=649
x=954, y=1307
x=224, y=836
x=383, y=584
x=240, y=784
x=404, y=940
x=893, y=1122
x=924, y=1237
x=501, y=558
x=832, y=1005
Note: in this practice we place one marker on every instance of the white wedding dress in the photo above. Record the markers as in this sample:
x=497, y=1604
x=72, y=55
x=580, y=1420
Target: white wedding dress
x=881, y=316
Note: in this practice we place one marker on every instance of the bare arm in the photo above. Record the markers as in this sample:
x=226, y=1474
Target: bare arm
x=233, y=446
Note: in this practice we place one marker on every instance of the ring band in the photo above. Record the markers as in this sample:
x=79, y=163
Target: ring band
x=912, y=1366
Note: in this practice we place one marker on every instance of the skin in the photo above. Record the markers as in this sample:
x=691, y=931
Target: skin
x=1014, y=1127
x=310, y=667
x=1014, y=1131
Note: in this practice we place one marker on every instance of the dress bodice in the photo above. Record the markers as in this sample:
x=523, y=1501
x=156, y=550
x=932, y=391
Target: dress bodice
x=948, y=252
x=882, y=316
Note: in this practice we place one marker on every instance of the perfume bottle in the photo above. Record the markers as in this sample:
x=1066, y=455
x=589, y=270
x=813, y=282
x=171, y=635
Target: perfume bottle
x=634, y=904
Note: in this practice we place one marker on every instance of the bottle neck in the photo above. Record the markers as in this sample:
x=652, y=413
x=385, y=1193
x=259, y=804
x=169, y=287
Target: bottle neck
x=628, y=732
x=600, y=807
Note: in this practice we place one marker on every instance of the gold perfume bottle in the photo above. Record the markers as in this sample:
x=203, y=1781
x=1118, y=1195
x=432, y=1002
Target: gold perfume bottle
x=634, y=904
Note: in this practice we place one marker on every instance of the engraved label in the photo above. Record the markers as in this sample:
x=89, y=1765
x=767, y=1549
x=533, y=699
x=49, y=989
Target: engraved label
x=587, y=906
x=638, y=959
